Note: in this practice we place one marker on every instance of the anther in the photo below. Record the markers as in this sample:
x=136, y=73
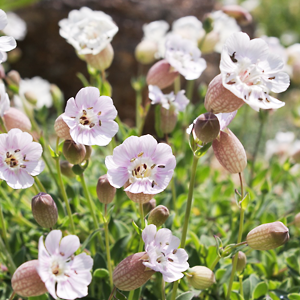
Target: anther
x=133, y=159
x=271, y=78
x=140, y=154
x=23, y=166
x=84, y=112
x=153, y=166
x=145, y=166
x=17, y=150
x=170, y=259
x=90, y=107
x=99, y=113
x=100, y=123
x=161, y=166
x=92, y=125
x=174, y=251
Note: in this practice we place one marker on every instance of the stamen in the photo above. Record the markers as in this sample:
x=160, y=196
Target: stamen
x=66, y=275
x=133, y=159
x=145, y=166
x=99, y=113
x=61, y=253
x=84, y=112
x=100, y=123
x=170, y=259
x=271, y=78
x=161, y=166
x=92, y=125
x=233, y=57
x=140, y=154
x=153, y=166
x=8, y=155
x=17, y=150
x=23, y=166
x=174, y=251
x=90, y=107
x=139, y=168
x=132, y=172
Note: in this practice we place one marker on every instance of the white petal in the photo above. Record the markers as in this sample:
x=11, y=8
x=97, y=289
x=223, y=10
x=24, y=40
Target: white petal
x=52, y=242
x=7, y=43
x=68, y=245
x=148, y=234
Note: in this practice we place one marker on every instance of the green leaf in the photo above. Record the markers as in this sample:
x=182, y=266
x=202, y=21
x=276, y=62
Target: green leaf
x=185, y=296
x=89, y=238
x=235, y=296
x=157, y=122
x=83, y=80
x=260, y=290
x=101, y=273
x=202, y=150
x=106, y=89
x=294, y=296
x=119, y=248
x=219, y=245
x=249, y=285
x=41, y=297
x=137, y=228
x=244, y=203
x=52, y=152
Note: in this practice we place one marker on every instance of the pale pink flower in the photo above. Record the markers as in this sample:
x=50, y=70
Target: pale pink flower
x=163, y=253
x=19, y=159
x=4, y=100
x=147, y=165
x=225, y=119
x=64, y=275
x=91, y=117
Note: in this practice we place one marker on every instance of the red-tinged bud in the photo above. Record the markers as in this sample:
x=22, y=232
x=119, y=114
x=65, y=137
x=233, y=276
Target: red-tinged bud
x=14, y=118
x=102, y=60
x=44, y=210
x=145, y=52
x=161, y=74
x=88, y=153
x=200, y=277
x=239, y=13
x=26, y=281
x=148, y=206
x=207, y=127
x=242, y=261
x=168, y=120
x=138, y=198
x=130, y=273
x=105, y=191
x=62, y=129
x=74, y=153
x=268, y=236
x=230, y=152
x=297, y=220
x=296, y=72
x=220, y=100
x=159, y=215
x=13, y=78
x=66, y=169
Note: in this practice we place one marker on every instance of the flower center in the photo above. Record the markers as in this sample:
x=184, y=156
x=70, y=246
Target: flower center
x=55, y=269
x=141, y=171
x=14, y=159
x=89, y=118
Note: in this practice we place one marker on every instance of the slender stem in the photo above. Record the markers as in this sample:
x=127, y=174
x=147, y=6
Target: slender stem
x=173, y=187
x=12, y=296
x=202, y=41
x=112, y=293
x=107, y=249
x=240, y=234
x=177, y=84
x=241, y=286
x=187, y=214
x=2, y=126
x=121, y=127
x=63, y=191
x=39, y=184
x=190, y=89
x=50, y=168
x=10, y=263
x=142, y=225
x=138, y=103
x=143, y=119
x=215, y=263
x=36, y=189
x=4, y=233
x=163, y=294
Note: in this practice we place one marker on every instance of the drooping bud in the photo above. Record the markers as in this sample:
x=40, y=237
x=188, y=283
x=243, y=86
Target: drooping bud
x=130, y=273
x=26, y=281
x=102, y=60
x=200, y=277
x=161, y=74
x=105, y=191
x=139, y=197
x=268, y=236
x=230, y=152
x=145, y=52
x=297, y=220
x=57, y=96
x=44, y=210
x=13, y=78
x=207, y=127
x=168, y=120
x=30, y=96
x=74, y=153
x=159, y=215
x=242, y=261
x=88, y=153
x=210, y=41
x=239, y=13
x=220, y=100
x=62, y=129
x=148, y=206
x=66, y=168
x=15, y=118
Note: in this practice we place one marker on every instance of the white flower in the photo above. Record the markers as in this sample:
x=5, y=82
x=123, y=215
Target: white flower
x=250, y=71
x=185, y=57
x=88, y=31
x=16, y=27
x=36, y=87
x=7, y=43
x=65, y=276
x=178, y=102
x=4, y=100
x=225, y=119
x=164, y=256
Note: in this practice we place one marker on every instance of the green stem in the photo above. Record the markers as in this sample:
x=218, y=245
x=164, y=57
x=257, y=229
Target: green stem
x=10, y=263
x=163, y=294
x=63, y=191
x=2, y=126
x=4, y=232
x=177, y=84
x=143, y=119
x=107, y=249
x=240, y=234
x=112, y=293
x=173, y=187
x=187, y=214
x=35, y=188
x=141, y=245
x=215, y=263
x=241, y=286
x=138, y=103
x=39, y=184
x=12, y=296
x=121, y=127
x=190, y=89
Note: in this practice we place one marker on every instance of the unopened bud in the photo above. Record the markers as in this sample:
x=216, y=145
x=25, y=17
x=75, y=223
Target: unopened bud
x=209, y=42
x=66, y=168
x=168, y=120
x=297, y=220
x=230, y=152
x=88, y=153
x=200, y=277
x=57, y=96
x=242, y=261
x=148, y=206
x=105, y=191
x=161, y=74
x=15, y=118
x=139, y=197
x=13, y=78
x=268, y=236
x=239, y=13
x=207, y=127
x=31, y=97
x=44, y=210
x=159, y=215
x=130, y=273
x=62, y=129
x=74, y=153
x=102, y=60
x=2, y=72
x=26, y=281
x=220, y=100
x=145, y=52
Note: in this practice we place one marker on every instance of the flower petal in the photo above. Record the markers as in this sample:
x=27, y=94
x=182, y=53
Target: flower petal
x=68, y=245
x=52, y=242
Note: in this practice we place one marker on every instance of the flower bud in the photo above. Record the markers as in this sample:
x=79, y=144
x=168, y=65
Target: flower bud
x=105, y=191
x=148, y=206
x=30, y=96
x=200, y=277
x=88, y=153
x=2, y=72
x=161, y=74
x=268, y=236
x=209, y=42
x=102, y=60
x=44, y=210
x=207, y=127
x=57, y=96
x=220, y=100
x=168, y=120
x=139, y=197
x=66, y=168
x=15, y=118
x=239, y=13
x=145, y=52
x=74, y=153
x=296, y=72
x=130, y=273
x=26, y=281
x=13, y=78
x=230, y=152
x=242, y=261
x=62, y=129
x=158, y=216
x=297, y=220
